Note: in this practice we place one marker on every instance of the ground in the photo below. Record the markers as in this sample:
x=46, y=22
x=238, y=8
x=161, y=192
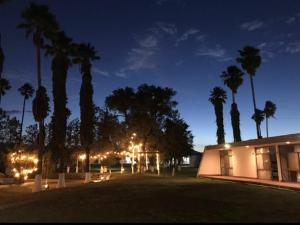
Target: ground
x=151, y=198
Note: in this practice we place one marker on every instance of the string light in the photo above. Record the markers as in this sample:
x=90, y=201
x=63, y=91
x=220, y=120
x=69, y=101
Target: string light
x=104, y=155
x=23, y=164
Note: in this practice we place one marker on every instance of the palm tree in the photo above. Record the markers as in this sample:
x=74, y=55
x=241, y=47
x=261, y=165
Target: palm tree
x=4, y=83
x=84, y=55
x=250, y=61
x=27, y=91
x=218, y=97
x=269, y=110
x=258, y=116
x=39, y=23
x=4, y=86
x=60, y=49
x=233, y=79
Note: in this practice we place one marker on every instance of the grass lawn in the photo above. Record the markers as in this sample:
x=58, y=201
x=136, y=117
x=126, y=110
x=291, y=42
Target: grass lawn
x=154, y=199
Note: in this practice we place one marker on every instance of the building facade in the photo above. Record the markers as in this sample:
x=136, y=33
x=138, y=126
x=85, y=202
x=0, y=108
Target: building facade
x=274, y=158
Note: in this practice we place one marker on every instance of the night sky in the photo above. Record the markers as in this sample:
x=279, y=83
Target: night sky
x=181, y=44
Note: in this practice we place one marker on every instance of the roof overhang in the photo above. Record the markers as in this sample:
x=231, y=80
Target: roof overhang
x=284, y=139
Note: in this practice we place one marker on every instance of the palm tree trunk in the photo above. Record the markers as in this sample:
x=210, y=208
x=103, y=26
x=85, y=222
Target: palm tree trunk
x=38, y=176
x=267, y=127
x=220, y=123
x=87, y=160
x=41, y=147
x=233, y=97
x=235, y=122
x=87, y=165
x=22, y=121
x=41, y=123
x=59, y=75
x=254, y=104
x=38, y=60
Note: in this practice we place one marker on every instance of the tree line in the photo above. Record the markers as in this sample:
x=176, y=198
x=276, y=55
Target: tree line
x=233, y=77
x=150, y=111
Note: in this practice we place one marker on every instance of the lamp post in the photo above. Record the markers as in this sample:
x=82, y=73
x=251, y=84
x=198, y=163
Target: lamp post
x=157, y=164
x=139, y=160
x=146, y=161
x=132, y=160
x=77, y=164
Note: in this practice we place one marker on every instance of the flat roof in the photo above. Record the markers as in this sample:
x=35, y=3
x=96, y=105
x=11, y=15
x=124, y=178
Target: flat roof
x=287, y=139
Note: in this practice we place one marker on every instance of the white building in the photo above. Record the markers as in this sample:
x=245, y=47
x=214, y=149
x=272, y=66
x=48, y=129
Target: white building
x=274, y=158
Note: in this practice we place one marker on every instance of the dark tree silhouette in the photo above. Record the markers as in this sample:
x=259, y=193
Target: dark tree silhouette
x=27, y=92
x=153, y=105
x=39, y=23
x=269, y=110
x=109, y=131
x=84, y=55
x=258, y=116
x=9, y=129
x=250, y=61
x=218, y=97
x=60, y=50
x=4, y=83
x=178, y=140
x=4, y=86
x=73, y=134
x=30, y=136
x=121, y=100
x=233, y=79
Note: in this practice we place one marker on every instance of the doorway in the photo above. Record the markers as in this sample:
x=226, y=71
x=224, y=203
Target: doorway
x=226, y=163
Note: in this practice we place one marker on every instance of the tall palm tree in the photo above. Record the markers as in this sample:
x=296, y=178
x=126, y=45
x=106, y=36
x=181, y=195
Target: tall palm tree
x=27, y=91
x=250, y=61
x=233, y=79
x=84, y=55
x=60, y=49
x=39, y=23
x=258, y=116
x=218, y=97
x=4, y=83
x=269, y=110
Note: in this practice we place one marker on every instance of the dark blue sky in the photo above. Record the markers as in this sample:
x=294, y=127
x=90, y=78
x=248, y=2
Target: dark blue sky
x=180, y=44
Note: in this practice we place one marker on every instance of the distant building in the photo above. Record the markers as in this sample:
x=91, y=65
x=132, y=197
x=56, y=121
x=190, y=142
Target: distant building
x=274, y=158
x=193, y=160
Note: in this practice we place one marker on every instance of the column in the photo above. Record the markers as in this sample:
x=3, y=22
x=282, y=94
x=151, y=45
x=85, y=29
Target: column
x=278, y=163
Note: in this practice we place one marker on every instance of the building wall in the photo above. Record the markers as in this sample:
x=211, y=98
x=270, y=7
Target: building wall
x=244, y=162
x=210, y=163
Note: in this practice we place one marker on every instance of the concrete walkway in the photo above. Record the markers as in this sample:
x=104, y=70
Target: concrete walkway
x=286, y=185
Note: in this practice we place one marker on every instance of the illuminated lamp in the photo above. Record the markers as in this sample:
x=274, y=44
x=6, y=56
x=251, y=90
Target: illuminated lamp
x=227, y=146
